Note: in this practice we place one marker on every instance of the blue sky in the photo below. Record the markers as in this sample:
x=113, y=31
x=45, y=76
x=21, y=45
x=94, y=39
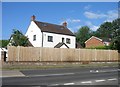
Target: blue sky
x=16, y=15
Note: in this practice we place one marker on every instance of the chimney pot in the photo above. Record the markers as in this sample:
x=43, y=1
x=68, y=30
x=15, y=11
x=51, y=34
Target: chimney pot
x=65, y=24
x=33, y=18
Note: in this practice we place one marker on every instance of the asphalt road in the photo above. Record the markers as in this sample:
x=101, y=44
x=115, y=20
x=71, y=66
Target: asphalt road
x=67, y=76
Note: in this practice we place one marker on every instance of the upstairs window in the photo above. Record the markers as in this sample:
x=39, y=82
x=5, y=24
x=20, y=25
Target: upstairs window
x=68, y=40
x=34, y=37
x=50, y=38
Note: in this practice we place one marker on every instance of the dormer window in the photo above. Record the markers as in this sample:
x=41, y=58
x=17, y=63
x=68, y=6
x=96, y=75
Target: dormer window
x=44, y=25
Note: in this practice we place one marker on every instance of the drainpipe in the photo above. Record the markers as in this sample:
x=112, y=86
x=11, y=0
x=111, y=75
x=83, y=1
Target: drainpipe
x=119, y=57
x=42, y=39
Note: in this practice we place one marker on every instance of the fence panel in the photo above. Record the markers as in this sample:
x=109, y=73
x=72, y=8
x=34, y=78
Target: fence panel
x=60, y=54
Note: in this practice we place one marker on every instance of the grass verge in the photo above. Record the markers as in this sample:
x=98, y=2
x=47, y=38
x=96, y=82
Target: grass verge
x=53, y=66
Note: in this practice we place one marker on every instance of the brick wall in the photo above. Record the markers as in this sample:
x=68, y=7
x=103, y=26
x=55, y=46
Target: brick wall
x=93, y=42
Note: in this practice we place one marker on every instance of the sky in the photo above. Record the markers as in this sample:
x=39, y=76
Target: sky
x=17, y=15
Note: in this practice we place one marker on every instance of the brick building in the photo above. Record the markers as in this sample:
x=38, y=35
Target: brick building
x=96, y=42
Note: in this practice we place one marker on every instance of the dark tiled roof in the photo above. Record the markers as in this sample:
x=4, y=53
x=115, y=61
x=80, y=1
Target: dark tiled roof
x=106, y=39
x=78, y=45
x=53, y=28
x=60, y=44
x=30, y=44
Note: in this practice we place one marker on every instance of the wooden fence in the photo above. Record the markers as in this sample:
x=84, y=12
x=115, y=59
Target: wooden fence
x=60, y=54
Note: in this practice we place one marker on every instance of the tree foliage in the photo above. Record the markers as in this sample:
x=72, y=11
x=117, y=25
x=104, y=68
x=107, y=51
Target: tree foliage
x=4, y=43
x=104, y=30
x=107, y=30
x=82, y=35
x=116, y=40
x=18, y=39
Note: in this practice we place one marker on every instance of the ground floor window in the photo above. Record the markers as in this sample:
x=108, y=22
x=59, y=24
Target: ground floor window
x=50, y=38
x=68, y=40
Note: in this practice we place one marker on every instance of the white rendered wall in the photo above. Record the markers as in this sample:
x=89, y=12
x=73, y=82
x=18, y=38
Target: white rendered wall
x=56, y=39
x=63, y=46
x=33, y=29
x=0, y=55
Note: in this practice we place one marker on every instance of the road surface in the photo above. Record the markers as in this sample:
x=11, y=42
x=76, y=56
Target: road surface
x=66, y=76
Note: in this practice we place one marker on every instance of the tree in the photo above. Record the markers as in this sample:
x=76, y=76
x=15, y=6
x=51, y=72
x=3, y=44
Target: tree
x=4, y=43
x=116, y=40
x=82, y=35
x=115, y=43
x=18, y=39
x=105, y=30
x=115, y=26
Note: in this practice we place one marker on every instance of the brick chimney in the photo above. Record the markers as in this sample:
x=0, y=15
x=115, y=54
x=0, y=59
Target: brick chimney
x=33, y=18
x=65, y=24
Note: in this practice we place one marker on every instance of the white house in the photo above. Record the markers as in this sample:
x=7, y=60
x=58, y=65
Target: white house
x=3, y=50
x=43, y=34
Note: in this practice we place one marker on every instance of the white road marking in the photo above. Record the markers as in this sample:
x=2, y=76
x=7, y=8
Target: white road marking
x=69, y=83
x=91, y=70
x=112, y=79
x=105, y=66
x=87, y=82
x=51, y=74
x=94, y=71
x=100, y=80
x=102, y=71
x=97, y=71
x=114, y=70
x=54, y=84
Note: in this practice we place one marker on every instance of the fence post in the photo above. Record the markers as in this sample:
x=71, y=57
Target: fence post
x=61, y=54
x=109, y=56
x=13, y=57
x=95, y=55
x=119, y=56
x=40, y=54
x=79, y=54
x=18, y=48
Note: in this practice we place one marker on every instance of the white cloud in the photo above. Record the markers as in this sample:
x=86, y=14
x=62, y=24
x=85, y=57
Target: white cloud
x=89, y=23
x=78, y=27
x=92, y=15
x=71, y=29
x=74, y=28
x=71, y=21
x=92, y=27
x=75, y=20
x=87, y=7
x=109, y=16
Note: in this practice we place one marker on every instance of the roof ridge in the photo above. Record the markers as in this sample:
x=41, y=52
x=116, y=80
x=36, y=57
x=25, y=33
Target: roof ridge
x=53, y=28
x=94, y=37
x=60, y=44
x=49, y=23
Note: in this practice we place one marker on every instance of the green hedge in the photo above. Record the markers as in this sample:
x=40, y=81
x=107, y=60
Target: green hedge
x=100, y=47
